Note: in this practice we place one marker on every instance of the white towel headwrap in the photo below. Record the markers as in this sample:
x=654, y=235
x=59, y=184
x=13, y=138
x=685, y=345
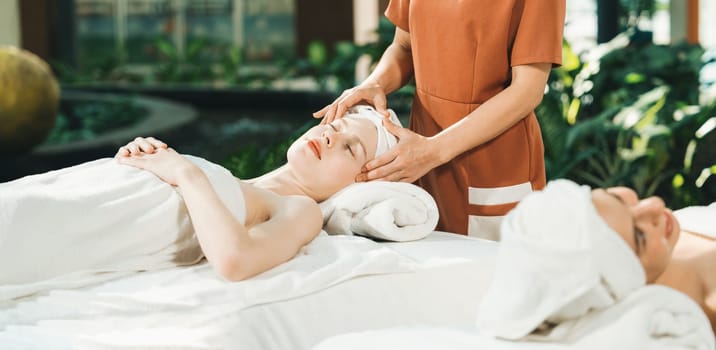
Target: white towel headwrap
x=386, y=140
x=557, y=260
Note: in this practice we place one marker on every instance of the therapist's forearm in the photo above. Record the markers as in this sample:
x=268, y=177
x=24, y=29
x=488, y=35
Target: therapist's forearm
x=394, y=69
x=489, y=120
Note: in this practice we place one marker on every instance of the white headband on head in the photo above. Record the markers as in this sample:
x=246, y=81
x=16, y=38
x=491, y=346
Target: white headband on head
x=386, y=140
x=557, y=260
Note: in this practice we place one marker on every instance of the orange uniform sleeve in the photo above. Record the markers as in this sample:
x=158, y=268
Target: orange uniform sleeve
x=398, y=13
x=539, y=33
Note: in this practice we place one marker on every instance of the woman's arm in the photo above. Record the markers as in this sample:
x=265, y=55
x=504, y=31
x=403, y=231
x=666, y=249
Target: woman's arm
x=395, y=67
x=235, y=251
x=497, y=114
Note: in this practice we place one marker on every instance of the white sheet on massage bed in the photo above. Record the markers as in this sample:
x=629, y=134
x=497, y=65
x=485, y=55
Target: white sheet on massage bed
x=445, y=292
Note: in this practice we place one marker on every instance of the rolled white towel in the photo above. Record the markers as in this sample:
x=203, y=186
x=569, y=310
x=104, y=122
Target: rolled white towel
x=557, y=260
x=395, y=211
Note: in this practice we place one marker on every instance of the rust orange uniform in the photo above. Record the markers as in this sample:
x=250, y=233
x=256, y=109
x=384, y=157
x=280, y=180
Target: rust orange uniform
x=463, y=52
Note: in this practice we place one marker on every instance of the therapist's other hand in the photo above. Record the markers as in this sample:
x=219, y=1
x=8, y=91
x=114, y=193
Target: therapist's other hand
x=372, y=94
x=409, y=160
x=141, y=145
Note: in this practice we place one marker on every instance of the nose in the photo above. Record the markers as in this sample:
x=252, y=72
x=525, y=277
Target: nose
x=649, y=211
x=328, y=137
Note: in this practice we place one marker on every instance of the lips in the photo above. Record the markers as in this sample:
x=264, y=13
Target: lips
x=315, y=147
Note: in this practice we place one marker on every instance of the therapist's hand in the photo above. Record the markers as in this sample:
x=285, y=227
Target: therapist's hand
x=409, y=160
x=372, y=94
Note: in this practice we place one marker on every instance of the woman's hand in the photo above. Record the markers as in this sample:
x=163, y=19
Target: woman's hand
x=409, y=160
x=140, y=145
x=373, y=94
x=165, y=163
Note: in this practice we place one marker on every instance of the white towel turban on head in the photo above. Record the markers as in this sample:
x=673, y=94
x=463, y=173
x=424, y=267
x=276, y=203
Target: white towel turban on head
x=386, y=140
x=557, y=260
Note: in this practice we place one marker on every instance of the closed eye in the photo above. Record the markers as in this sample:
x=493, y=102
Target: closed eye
x=639, y=236
x=641, y=239
x=348, y=147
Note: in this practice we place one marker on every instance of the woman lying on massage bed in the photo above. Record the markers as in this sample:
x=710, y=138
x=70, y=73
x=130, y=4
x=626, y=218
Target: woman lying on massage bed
x=151, y=207
x=681, y=258
x=571, y=225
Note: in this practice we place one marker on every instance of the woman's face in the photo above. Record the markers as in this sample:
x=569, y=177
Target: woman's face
x=328, y=157
x=649, y=228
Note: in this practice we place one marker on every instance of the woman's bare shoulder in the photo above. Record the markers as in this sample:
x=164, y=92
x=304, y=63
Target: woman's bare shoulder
x=263, y=205
x=298, y=205
x=305, y=214
x=259, y=203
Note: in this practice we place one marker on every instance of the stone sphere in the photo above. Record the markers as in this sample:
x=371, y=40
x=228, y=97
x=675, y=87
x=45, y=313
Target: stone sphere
x=29, y=99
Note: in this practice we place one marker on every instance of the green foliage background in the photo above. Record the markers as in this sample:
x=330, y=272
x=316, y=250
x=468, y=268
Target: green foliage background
x=625, y=113
x=629, y=115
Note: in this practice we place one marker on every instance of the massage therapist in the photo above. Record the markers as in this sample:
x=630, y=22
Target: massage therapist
x=480, y=69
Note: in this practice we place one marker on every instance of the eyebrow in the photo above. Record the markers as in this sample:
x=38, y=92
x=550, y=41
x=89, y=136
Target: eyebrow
x=636, y=230
x=344, y=126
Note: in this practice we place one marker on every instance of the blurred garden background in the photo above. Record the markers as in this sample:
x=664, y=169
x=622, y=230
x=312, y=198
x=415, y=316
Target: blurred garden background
x=235, y=81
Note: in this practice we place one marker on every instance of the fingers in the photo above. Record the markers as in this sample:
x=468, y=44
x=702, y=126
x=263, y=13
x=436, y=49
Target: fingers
x=321, y=113
x=141, y=145
x=378, y=167
x=136, y=161
x=381, y=105
x=339, y=107
x=122, y=152
x=390, y=172
x=157, y=143
x=328, y=112
x=373, y=95
x=393, y=129
x=149, y=144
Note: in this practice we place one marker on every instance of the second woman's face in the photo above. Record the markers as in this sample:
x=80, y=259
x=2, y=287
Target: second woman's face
x=649, y=228
x=330, y=156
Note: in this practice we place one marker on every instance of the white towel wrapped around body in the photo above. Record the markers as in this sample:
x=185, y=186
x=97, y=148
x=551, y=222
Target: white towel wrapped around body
x=86, y=223
x=394, y=211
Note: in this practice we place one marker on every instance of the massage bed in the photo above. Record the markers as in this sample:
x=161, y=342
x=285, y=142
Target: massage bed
x=437, y=281
x=339, y=292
